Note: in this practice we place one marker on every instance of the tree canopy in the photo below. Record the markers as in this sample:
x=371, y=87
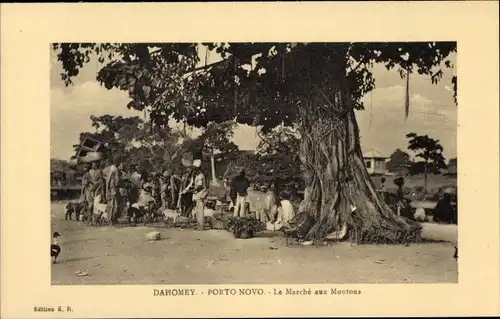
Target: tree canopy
x=430, y=151
x=398, y=159
x=426, y=148
x=255, y=83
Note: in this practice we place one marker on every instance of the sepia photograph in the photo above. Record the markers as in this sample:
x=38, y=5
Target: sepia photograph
x=249, y=159
x=253, y=163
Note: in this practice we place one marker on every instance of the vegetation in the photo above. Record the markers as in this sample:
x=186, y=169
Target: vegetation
x=398, y=160
x=216, y=139
x=313, y=86
x=428, y=149
x=248, y=224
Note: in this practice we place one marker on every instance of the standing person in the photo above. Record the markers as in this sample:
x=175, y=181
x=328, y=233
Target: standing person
x=85, y=182
x=135, y=185
x=86, y=194
x=200, y=193
x=145, y=178
x=136, y=176
x=164, y=181
x=97, y=185
x=123, y=188
x=112, y=192
x=400, y=196
x=382, y=189
x=272, y=203
x=175, y=186
x=156, y=182
x=185, y=199
x=240, y=185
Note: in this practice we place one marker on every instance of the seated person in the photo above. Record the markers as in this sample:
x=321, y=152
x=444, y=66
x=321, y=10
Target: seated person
x=210, y=208
x=285, y=213
x=444, y=211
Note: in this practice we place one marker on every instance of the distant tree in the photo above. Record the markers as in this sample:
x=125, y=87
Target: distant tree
x=61, y=170
x=214, y=141
x=134, y=142
x=399, y=159
x=418, y=168
x=428, y=149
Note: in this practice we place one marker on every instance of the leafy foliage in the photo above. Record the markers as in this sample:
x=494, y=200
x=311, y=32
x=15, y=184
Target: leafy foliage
x=133, y=142
x=62, y=171
x=419, y=168
x=163, y=77
x=398, y=159
x=215, y=141
x=247, y=160
x=280, y=159
x=428, y=149
x=216, y=138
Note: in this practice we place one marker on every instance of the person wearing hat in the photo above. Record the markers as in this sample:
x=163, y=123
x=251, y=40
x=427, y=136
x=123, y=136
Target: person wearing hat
x=200, y=192
x=240, y=186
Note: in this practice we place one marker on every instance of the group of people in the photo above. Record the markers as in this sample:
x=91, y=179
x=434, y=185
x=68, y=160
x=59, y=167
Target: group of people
x=108, y=182
x=445, y=210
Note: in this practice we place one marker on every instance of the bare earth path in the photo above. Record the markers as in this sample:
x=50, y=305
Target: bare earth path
x=123, y=256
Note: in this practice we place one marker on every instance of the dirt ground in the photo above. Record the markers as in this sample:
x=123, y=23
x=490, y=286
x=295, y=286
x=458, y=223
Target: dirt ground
x=122, y=255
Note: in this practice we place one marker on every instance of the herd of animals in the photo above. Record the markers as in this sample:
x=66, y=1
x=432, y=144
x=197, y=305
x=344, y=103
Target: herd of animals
x=98, y=215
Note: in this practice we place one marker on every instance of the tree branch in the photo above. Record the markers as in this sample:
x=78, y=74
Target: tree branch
x=361, y=61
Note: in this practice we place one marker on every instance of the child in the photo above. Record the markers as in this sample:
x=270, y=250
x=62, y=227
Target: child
x=382, y=189
x=55, y=249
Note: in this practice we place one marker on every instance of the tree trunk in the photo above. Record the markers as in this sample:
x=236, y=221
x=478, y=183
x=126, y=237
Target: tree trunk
x=426, y=172
x=336, y=177
x=212, y=164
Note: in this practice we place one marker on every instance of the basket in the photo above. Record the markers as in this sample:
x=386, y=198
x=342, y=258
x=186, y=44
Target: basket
x=218, y=223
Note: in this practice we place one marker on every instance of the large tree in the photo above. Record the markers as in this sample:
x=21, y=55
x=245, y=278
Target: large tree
x=317, y=86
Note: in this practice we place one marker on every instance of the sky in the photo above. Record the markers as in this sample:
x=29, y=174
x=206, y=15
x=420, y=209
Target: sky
x=382, y=124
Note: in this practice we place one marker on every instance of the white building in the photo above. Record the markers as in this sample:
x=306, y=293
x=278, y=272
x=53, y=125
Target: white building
x=375, y=162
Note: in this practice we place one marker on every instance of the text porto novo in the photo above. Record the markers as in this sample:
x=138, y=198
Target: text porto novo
x=255, y=292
